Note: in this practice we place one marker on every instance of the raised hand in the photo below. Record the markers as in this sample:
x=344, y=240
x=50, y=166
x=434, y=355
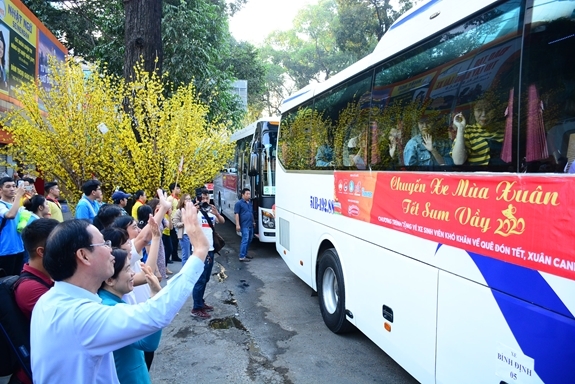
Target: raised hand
x=459, y=121
x=20, y=191
x=427, y=141
x=151, y=279
x=392, y=146
x=154, y=228
x=164, y=203
x=194, y=231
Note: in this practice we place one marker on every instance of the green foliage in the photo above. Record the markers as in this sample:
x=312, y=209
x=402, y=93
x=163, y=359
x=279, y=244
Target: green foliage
x=328, y=37
x=244, y=62
x=195, y=36
x=308, y=51
x=196, y=39
x=92, y=29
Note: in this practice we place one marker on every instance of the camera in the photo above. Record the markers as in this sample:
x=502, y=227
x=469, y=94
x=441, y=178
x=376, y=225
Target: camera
x=204, y=206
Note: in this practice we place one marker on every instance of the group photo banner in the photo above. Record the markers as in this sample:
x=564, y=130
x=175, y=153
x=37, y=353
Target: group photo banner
x=521, y=219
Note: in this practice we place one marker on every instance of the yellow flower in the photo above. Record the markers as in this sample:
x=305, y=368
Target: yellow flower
x=147, y=134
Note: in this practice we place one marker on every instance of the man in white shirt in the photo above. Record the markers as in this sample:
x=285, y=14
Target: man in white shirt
x=201, y=308
x=72, y=334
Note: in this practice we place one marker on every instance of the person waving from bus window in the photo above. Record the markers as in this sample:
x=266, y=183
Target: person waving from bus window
x=356, y=149
x=422, y=150
x=479, y=143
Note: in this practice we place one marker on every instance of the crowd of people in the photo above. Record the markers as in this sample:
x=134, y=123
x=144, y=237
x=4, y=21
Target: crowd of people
x=96, y=289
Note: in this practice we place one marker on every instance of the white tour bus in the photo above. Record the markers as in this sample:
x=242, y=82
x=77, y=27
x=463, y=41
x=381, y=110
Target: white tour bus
x=426, y=192
x=253, y=167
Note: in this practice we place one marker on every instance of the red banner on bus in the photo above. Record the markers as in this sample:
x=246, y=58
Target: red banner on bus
x=520, y=219
x=230, y=181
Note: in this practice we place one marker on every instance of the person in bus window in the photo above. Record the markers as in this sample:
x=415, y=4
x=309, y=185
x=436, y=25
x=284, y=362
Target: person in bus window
x=324, y=156
x=422, y=150
x=356, y=148
x=479, y=143
x=395, y=143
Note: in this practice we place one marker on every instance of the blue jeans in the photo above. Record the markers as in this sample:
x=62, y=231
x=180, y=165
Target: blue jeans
x=185, y=245
x=247, y=237
x=200, y=287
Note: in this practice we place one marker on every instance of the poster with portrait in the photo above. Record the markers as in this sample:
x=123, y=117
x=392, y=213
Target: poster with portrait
x=4, y=57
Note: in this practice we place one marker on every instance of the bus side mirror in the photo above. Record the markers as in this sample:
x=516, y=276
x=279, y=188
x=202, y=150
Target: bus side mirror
x=253, y=164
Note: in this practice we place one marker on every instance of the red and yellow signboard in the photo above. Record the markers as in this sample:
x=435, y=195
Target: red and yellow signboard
x=524, y=220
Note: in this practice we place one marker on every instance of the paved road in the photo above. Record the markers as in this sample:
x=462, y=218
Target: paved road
x=266, y=328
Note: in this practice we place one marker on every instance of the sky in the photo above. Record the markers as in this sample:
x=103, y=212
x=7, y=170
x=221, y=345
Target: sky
x=258, y=18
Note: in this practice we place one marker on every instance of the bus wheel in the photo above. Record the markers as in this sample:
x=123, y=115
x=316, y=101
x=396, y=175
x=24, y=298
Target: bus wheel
x=331, y=292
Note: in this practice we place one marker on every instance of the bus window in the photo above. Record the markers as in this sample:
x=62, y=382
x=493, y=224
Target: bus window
x=445, y=104
x=268, y=160
x=340, y=136
x=548, y=87
x=295, y=130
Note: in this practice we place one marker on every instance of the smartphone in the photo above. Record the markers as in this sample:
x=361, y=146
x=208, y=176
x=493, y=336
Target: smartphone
x=28, y=188
x=20, y=183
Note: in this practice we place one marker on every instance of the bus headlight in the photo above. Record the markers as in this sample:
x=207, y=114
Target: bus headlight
x=268, y=220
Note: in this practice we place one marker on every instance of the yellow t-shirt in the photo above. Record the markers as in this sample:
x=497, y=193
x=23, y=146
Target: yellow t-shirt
x=175, y=201
x=166, y=230
x=137, y=205
x=55, y=211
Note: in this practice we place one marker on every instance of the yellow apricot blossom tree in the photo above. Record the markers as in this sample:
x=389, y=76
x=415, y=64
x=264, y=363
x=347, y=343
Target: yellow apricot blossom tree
x=124, y=134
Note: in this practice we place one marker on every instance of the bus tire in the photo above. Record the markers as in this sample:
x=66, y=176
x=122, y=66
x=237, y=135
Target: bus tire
x=331, y=292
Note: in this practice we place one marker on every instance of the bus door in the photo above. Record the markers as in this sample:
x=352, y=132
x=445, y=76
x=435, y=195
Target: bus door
x=244, y=151
x=255, y=167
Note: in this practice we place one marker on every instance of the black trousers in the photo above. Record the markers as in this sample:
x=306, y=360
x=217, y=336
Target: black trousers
x=167, y=246
x=175, y=244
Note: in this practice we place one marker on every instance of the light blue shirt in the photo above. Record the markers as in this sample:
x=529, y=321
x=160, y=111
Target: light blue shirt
x=415, y=152
x=73, y=335
x=130, y=362
x=87, y=209
x=10, y=240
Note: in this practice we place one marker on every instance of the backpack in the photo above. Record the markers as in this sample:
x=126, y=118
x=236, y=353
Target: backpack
x=14, y=327
x=23, y=218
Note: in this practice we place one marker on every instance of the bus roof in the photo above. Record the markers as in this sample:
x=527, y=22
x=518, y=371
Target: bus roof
x=427, y=19
x=250, y=129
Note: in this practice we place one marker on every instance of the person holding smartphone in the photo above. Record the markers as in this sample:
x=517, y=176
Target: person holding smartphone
x=29, y=189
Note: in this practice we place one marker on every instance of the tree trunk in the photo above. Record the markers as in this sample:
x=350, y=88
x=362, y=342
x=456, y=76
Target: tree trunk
x=143, y=36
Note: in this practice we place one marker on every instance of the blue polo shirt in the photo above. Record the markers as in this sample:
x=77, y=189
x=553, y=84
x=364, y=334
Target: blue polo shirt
x=10, y=240
x=246, y=212
x=87, y=209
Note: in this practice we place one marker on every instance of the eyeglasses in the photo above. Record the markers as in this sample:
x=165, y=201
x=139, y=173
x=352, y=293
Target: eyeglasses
x=106, y=243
